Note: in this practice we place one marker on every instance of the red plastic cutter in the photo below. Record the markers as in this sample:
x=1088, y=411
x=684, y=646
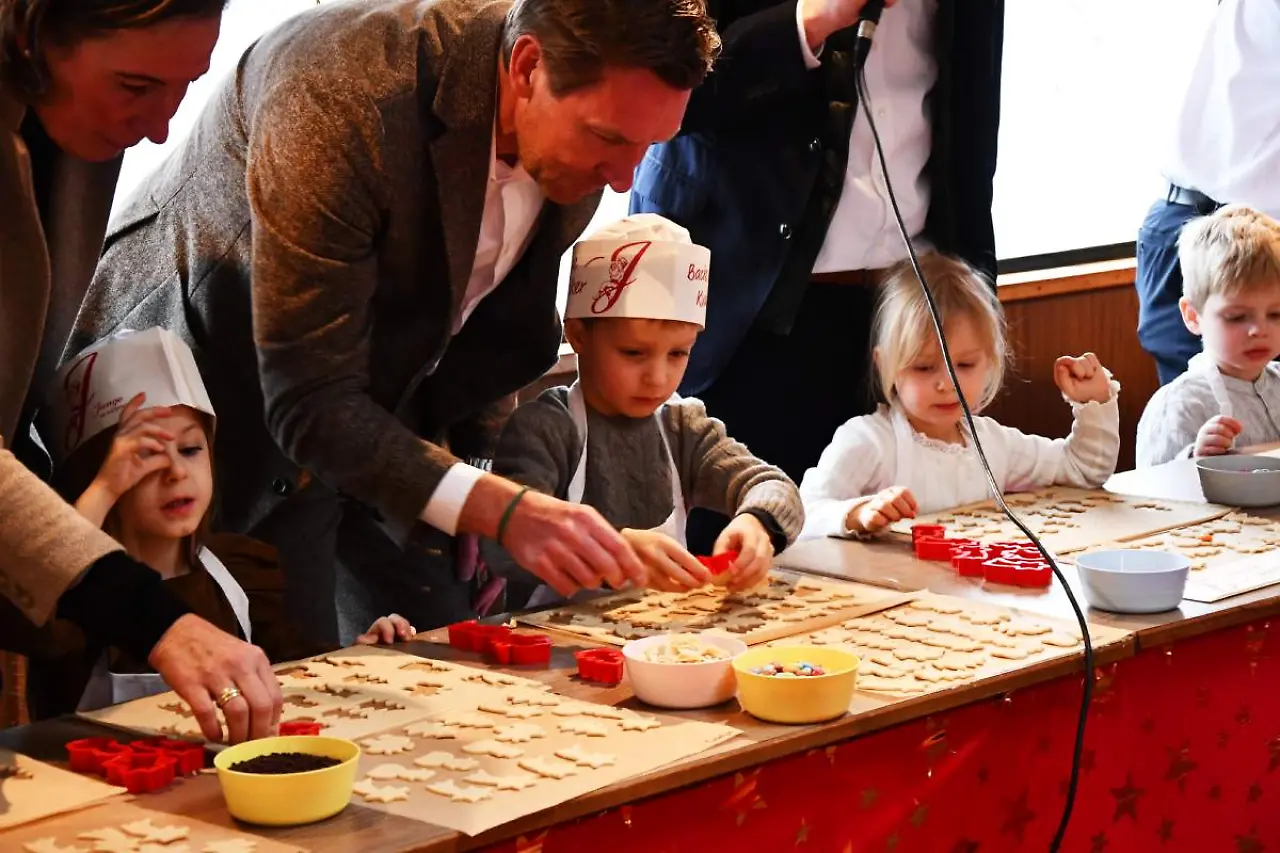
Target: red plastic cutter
x=500, y=643
x=600, y=665
x=720, y=563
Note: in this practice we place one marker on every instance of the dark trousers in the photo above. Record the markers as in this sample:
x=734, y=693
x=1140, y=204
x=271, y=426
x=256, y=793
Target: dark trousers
x=1159, y=283
x=784, y=396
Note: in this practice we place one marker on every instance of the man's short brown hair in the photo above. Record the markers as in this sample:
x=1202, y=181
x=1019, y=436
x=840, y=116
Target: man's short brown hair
x=675, y=39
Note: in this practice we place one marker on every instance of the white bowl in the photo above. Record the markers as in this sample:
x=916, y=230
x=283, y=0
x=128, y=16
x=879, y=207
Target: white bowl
x=1240, y=480
x=682, y=685
x=1133, y=581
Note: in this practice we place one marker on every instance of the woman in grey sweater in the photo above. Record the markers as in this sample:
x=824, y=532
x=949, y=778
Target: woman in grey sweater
x=81, y=81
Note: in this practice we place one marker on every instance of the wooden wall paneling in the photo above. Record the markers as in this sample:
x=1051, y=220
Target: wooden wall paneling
x=1103, y=321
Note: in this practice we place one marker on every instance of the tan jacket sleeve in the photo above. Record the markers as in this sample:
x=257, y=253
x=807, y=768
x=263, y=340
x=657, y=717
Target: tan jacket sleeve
x=45, y=545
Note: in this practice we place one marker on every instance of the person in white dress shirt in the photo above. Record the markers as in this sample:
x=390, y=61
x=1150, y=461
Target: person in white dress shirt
x=1230, y=395
x=1225, y=150
x=914, y=455
x=775, y=171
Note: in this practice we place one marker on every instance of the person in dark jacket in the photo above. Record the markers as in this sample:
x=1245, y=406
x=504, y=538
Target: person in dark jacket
x=775, y=171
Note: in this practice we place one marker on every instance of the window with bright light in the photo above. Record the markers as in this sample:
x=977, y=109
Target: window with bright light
x=1089, y=91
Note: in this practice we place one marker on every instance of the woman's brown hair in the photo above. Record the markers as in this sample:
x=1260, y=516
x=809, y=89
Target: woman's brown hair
x=29, y=27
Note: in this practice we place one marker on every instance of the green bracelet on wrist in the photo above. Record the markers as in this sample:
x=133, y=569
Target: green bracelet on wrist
x=508, y=512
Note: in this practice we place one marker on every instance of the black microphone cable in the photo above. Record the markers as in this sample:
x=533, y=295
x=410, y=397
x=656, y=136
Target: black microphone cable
x=992, y=485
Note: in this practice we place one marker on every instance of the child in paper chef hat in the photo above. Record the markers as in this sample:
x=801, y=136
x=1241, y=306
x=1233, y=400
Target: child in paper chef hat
x=1230, y=395
x=620, y=441
x=146, y=476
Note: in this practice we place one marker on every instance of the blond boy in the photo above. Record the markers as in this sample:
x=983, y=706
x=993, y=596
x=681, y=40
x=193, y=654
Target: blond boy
x=1230, y=395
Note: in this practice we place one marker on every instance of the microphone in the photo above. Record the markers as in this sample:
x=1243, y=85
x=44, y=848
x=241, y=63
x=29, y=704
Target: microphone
x=868, y=18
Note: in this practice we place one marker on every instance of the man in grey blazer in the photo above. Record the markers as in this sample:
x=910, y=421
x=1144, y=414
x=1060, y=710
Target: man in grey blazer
x=361, y=241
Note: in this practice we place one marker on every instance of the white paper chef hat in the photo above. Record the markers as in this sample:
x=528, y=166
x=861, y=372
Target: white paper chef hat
x=93, y=388
x=642, y=266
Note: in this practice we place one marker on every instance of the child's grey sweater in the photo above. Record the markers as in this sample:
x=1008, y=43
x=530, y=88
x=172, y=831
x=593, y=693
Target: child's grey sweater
x=628, y=476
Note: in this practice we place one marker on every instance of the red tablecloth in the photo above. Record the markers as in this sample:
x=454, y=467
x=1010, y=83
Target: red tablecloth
x=1183, y=753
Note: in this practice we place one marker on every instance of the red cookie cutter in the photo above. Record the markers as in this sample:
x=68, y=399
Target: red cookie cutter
x=471, y=636
x=720, y=563
x=1016, y=571
x=188, y=757
x=140, y=772
x=927, y=531
x=87, y=755
x=1012, y=563
x=600, y=665
x=499, y=643
x=970, y=561
x=300, y=727
x=941, y=550
x=522, y=649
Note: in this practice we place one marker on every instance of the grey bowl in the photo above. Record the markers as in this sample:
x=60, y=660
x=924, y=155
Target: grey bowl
x=1132, y=581
x=1240, y=480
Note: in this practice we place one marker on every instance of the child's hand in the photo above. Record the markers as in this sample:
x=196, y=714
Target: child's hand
x=1217, y=436
x=893, y=504
x=746, y=535
x=136, y=451
x=1083, y=379
x=387, y=630
x=670, y=567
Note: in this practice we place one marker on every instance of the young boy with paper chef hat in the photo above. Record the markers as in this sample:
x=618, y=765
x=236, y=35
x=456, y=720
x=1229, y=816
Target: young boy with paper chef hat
x=620, y=440
x=146, y=476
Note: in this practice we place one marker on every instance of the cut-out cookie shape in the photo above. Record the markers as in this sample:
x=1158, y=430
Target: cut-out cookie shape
x=533, y=697
x=231, y=845
x=639, y=723
x=569, y=709
x=603, y=712
x=387, y=745
x=468, y=720
x=439, y=731
x=519, y=733
x=459, y=793
x=549, y=768
x=109, y=840
x=433, y=759
x=460, y=764
x=148, y=831
x=493, y=679
x=374, y=793
x=515, y=712
x=901, y=684
x=514, y=782
x=50, y=845
x=1060, y=639
x=392, y=772
x=582, y=758
x=1015, y=652
x=493, y=748
x=590, y=728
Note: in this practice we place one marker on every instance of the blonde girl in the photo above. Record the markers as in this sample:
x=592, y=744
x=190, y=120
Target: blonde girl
x=915, y=453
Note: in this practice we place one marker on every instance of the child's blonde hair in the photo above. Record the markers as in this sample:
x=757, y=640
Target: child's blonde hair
x=903, y=326
x=1233, y=249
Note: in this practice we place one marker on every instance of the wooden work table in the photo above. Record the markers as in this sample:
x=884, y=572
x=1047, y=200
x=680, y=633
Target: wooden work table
x=885, y=563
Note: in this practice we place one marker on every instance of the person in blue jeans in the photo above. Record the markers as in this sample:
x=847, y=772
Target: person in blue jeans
x=1159, y=282
x=1225, y=151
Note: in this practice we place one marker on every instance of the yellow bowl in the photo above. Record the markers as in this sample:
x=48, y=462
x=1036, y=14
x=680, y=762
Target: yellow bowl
x=805, y=699
x=288, y=799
